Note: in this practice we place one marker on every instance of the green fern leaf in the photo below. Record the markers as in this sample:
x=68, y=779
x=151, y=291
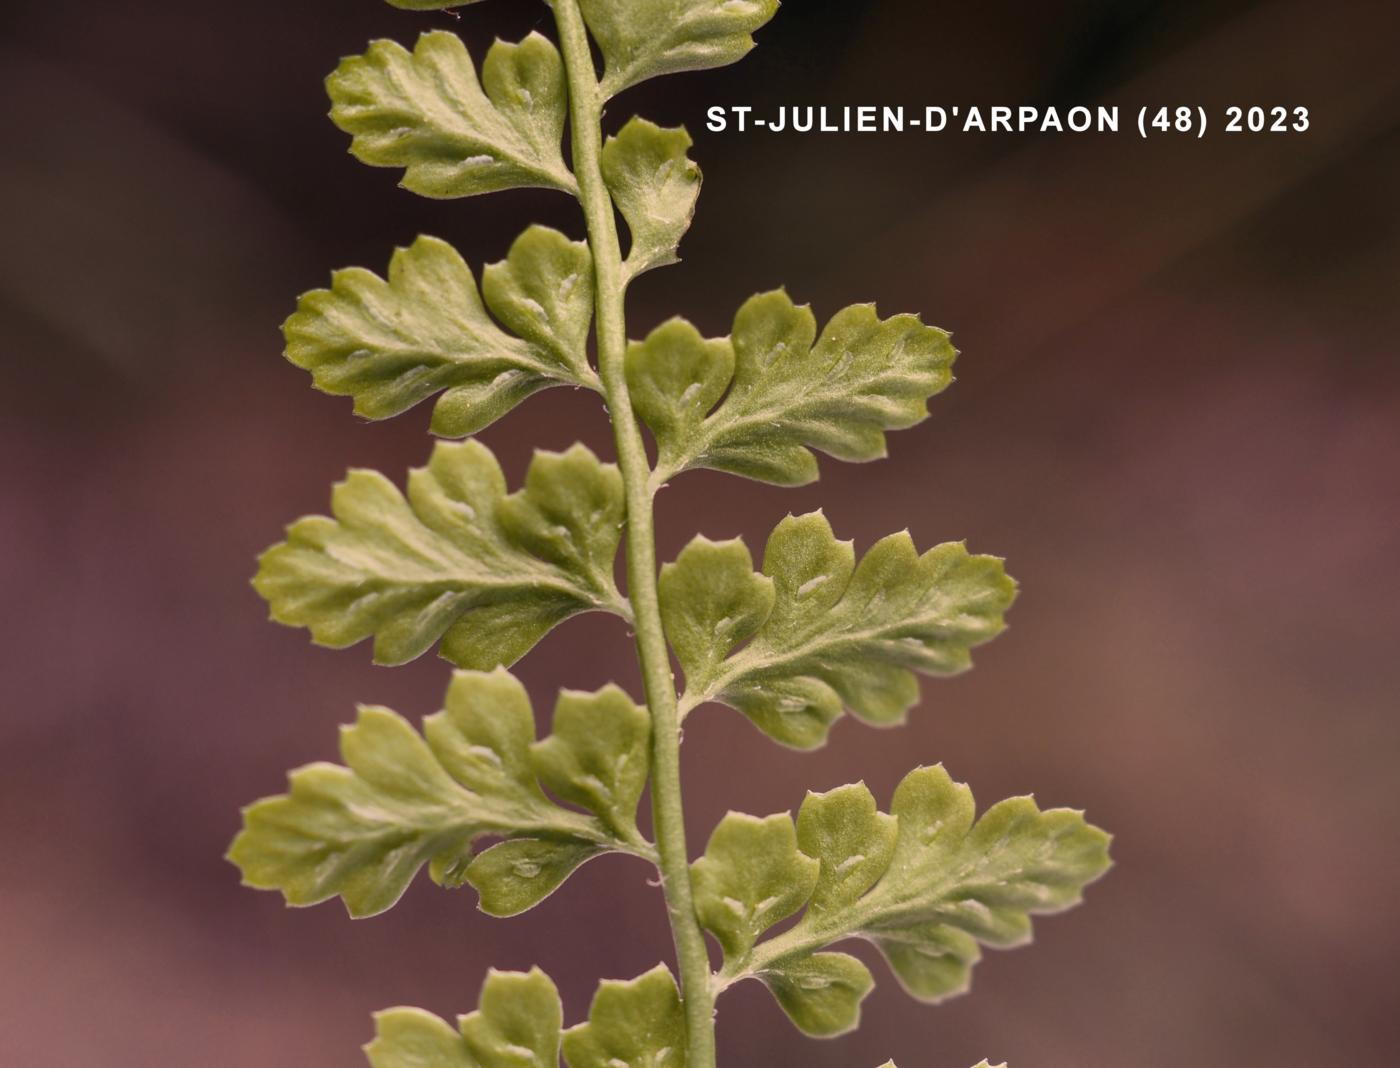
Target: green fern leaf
x=655, y=186
x=415, y=1038
x=513, y=877
x=821, y=993
x=826, y=634
x=454, y=136
x=845, y=822
x=518, y=1025
x=392, y=343
x=947, y=885
x=543, y=290
x=786, y=390
x=519, y=1021
x=456, y=560
x=751, y=876
x=635, y=1024
x=597, y=757
x=711, y=600
x=403, y=800
x=641, y=39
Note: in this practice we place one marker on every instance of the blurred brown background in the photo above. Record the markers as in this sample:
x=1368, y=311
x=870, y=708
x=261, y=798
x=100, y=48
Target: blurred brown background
x=1178, y=417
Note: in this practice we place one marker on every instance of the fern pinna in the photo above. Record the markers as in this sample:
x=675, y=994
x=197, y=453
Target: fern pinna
x=458, y=562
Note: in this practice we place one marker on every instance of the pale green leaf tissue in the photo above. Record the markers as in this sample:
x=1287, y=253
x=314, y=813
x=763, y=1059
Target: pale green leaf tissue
x=456, y=560
x=414, y=1038
x=655, y=186
x=518, y=1022
x=454, y=136
x=597, y=756
x=543, y=291
x=825, y=634
x=635, y=1024
x=392, y=343
x=786, y=389
x=517, y=1025
x=948, y=884
x=403, y=800
x=821, y=993
x=751, y=876
x=641, y=39
x=711, y=600
x=514, y=876
x=675, y=377
x=845, y=823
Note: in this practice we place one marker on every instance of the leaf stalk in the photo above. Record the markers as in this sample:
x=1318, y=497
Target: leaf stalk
x=586, y=98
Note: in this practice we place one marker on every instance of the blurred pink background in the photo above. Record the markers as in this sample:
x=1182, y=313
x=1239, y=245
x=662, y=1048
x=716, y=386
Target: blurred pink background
x=1177, y=417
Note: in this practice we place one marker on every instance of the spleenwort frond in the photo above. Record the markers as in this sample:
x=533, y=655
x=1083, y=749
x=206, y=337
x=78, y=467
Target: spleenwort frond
x=457, y=562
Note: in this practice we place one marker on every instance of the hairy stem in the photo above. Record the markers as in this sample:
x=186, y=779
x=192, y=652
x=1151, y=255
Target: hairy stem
x=586, y=110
